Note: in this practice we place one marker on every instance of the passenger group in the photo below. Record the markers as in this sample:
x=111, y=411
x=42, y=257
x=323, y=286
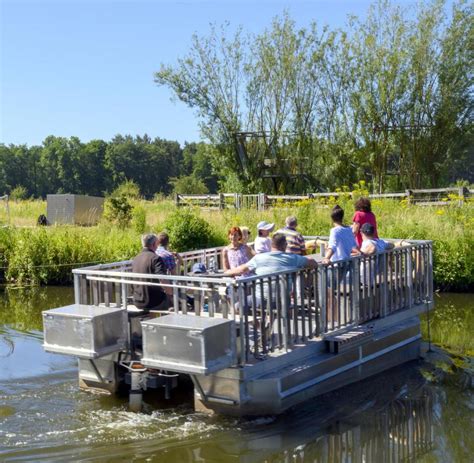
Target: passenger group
x=285, y=250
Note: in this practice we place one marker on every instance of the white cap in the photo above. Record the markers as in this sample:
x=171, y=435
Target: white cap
x=265, y=226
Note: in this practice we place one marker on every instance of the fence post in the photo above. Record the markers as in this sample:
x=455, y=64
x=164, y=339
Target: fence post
x=176, y=199
x=461, y=196
x=408, y=194
x=221, y=201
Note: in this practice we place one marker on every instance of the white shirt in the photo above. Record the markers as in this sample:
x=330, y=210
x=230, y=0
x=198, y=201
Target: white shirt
x=341, y=241
x=262, y=244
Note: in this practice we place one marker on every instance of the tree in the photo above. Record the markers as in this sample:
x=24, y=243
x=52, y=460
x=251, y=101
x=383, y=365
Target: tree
x=392, y=94
x=188, y=184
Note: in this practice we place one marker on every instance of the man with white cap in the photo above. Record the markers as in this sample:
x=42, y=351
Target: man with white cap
x=263, y=243
x=296, y=244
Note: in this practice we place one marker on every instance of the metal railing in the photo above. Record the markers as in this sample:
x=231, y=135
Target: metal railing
x=285, y=309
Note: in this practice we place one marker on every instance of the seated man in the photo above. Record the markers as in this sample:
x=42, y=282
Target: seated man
x=144, y=296
x=371, y=244
x=276, y=260
x=294, y=239
x=369, y=269
x=169, y=258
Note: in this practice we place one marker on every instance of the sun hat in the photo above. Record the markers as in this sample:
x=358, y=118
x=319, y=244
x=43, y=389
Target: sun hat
x=265, y=226
x=199, y=267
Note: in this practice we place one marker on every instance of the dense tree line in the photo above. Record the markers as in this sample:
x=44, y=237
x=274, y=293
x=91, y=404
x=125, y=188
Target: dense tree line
x=388, y=99
x=66, y=165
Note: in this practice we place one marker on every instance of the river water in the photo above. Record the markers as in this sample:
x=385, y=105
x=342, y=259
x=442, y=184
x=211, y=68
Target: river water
x=411, y=413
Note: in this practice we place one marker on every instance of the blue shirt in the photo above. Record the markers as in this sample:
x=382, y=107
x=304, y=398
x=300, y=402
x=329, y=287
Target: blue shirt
x=275, y=261
x=341, y=241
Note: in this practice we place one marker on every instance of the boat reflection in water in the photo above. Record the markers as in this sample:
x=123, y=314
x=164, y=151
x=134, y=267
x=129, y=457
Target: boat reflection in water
x=382, y=422
x=401, y=432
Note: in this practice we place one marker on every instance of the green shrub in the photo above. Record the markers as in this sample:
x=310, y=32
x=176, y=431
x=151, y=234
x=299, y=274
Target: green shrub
x=188, y=231
x=139, y=218
x=18, y=193
x=129, y=189
x=118, y=210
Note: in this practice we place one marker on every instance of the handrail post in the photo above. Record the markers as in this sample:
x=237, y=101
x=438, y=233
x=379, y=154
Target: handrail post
x=323, y=295
x=409, y=263
x=124, y=295
x=356, y=289
x=430, y=272
x=284, y=310
x=175, y=297
x=77, y=288
x=242, y=307
x=383, y=262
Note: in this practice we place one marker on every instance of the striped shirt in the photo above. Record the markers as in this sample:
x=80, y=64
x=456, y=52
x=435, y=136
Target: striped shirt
x=294, y=241
x=341, y=241
x=168, y=258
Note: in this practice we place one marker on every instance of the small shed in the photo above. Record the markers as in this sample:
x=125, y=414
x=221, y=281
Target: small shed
x=74, y=209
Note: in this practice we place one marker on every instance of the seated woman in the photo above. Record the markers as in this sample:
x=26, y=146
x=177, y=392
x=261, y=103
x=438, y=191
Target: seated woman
x=263, y=243
x=236, y=253
x=245, y=234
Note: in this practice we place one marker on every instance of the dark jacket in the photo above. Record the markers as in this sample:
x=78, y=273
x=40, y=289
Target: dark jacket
x=148, y=297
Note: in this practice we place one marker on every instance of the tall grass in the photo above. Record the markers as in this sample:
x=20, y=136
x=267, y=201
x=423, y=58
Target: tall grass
x=451, y=323
x=36, y=255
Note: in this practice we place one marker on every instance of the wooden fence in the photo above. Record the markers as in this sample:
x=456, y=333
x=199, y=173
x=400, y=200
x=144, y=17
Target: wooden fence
x=261, y=201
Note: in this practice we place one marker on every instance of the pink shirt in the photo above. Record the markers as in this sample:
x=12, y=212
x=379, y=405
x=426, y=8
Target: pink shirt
x=361, y=217
x=237, y=257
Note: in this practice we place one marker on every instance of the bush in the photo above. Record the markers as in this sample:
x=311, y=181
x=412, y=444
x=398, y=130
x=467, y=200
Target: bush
x=118, y=210
x=188, y=231
x=129, y=189
x=139, y=218
x=18, y=193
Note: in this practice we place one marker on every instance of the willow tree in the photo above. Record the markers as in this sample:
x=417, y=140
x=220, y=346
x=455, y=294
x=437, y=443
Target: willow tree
x=212, y=80
x=390, y=94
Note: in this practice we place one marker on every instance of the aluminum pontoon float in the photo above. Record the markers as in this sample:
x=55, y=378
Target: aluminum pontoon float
x=251, y=346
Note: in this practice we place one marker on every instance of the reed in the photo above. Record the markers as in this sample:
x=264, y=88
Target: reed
x=45, y=255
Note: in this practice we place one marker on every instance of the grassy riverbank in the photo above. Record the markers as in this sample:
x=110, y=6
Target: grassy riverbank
x=36, y=255
x=451, y=323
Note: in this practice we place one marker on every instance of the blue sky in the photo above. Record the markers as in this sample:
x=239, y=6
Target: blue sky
x=85, y=67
